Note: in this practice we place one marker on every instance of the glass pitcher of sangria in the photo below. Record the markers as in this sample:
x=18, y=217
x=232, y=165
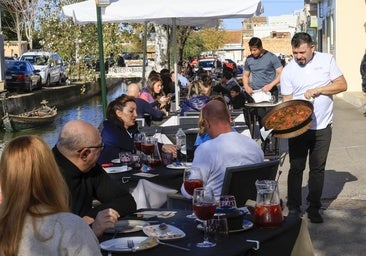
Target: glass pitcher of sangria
x=268, y=211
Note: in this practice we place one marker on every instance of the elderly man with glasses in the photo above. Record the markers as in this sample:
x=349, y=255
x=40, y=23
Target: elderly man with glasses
x=76, y=152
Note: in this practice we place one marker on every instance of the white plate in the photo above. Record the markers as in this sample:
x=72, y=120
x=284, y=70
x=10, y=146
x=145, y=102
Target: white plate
x=170, y=233
x=117, y=169
x=116, y=161
x=179, y=166
x=120, y=244
x=247, y=224
x=127, y=226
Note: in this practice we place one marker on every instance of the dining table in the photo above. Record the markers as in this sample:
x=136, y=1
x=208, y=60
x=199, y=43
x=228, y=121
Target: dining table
x=151, y=188
x=161, y=175
x=291, y=238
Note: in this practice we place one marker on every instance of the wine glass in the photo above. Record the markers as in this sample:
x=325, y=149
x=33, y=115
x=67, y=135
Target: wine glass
x=192, y=178
x=204, y=207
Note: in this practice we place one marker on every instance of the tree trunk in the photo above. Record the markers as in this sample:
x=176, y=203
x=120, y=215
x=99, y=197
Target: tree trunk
x=161, y=48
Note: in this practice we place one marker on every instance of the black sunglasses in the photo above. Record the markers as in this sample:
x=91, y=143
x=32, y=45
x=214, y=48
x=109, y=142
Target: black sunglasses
x=100, y=146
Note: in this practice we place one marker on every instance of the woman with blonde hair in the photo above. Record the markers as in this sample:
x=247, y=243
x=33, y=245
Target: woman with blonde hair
x=34, y=206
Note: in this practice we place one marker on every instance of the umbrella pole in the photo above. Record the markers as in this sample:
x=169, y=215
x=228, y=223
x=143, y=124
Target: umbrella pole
x=177, y=92
x=144, y=55
x=101, y=60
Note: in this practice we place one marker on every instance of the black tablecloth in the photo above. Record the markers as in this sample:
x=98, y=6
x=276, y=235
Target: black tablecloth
x=272, y=241
x=170, y=178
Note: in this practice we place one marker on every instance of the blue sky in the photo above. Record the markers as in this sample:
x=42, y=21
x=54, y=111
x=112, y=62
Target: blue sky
x=271, y=8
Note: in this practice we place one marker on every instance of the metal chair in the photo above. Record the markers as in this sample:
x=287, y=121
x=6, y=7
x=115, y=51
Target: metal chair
x=140, y=122
x=240, y=180
x=188, y=120
x=191, y=113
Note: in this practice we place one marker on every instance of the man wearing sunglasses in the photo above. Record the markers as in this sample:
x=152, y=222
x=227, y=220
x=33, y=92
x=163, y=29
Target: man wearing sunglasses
x=76, y=152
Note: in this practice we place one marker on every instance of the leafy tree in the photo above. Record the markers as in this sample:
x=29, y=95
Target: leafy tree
x=213, y=38
x=183, y=33
x=21, y=16
x=194, y=46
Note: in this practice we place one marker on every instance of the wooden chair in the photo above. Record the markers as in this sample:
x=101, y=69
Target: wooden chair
x=240, y=180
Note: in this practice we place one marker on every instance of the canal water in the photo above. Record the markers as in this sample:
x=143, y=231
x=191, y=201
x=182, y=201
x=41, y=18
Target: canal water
x=90, y=110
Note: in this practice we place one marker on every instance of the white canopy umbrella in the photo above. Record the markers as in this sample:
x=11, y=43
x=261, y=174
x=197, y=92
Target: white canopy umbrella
x=187, y=12
x=169, y=12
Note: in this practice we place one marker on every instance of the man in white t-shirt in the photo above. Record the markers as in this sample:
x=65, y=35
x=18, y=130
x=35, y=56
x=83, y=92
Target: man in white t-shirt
x=226, y=148
x=311, y=76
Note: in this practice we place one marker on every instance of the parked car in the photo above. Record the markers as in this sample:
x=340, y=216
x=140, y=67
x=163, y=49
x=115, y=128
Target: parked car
x=208, y=64
x=50, y=64
x=21, y=75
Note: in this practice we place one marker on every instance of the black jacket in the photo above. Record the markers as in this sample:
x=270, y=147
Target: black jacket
x=116, y=139
x=95, y=184
x=144, y=107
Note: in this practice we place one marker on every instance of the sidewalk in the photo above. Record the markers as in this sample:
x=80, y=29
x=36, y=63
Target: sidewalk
x=344, y=196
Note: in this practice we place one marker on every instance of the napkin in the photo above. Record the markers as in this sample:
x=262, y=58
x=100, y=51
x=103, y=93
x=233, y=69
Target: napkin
x=265, y=133
x=166, y=214
x=116, y=169
x=261, y=96
x=146, y=175
x=159, y=214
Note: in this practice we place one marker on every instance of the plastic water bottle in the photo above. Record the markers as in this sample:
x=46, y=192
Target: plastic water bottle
x=181, y=140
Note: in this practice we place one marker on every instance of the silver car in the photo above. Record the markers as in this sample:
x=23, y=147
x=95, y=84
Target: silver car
x=49, y=64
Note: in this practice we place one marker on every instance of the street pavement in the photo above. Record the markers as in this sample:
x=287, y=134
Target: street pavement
x=344, y=195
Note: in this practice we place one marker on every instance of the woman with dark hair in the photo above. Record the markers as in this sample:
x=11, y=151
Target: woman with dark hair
x=119, y=129
x=35, y=218
x=167, y=82
x=153, y=93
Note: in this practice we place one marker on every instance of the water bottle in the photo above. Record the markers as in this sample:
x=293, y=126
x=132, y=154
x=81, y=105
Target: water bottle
x=181, y=140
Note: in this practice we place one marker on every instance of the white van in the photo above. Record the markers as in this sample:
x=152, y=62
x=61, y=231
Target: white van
x=50, y=65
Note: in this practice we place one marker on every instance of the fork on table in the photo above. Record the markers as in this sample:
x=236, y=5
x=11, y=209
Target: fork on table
x=131, y=245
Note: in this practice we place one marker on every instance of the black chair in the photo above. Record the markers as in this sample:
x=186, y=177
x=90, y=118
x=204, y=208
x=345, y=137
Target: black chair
x=191, y=136
x=240, y=180
x=248, y=118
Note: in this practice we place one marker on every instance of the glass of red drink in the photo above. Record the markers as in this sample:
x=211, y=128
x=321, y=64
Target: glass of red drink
x=137, y=140
x=192, y=178
x=204, y=207
x=148, y=145
x=147, y=148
